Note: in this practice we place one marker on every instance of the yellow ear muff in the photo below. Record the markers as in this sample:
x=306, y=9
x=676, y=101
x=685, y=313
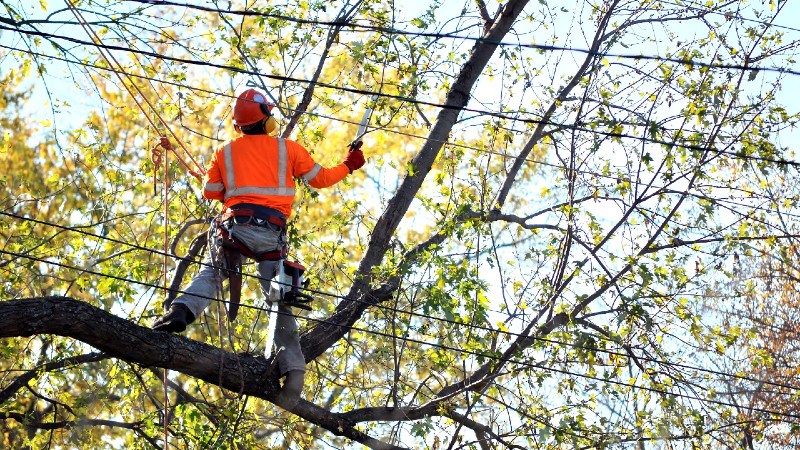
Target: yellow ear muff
x=270, y=124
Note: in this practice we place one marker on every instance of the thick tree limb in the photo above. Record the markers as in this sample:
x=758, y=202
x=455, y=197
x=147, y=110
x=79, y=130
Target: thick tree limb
x=120, y=338
x=322, y=336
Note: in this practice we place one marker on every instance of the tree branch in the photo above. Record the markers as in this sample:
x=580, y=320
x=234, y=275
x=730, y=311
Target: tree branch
x=65, y=316
x=324, y=335
x=26, y=420
x=23, y=380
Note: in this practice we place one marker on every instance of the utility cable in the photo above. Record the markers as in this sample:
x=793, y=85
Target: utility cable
x=285, y=79
x=486, y=151
x=411, y=135
x=403, y=133
x=669, y=144
x=417, y=314
x=366, y=27
x=389, y=30
x=489, y=356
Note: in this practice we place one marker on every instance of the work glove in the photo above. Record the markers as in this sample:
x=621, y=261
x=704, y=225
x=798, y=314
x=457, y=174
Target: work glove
x=355, y=157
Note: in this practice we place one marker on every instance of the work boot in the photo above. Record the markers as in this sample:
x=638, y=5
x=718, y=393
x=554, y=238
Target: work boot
x=175, y=320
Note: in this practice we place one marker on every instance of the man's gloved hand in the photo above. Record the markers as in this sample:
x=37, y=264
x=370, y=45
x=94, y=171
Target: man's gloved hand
x=355, y=157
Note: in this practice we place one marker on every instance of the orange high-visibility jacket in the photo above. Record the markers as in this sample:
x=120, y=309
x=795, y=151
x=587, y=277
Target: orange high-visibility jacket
x=260, y=169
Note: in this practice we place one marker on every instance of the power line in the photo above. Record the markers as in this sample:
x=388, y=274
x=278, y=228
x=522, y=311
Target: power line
x=727, y=14
x=396, y=310
x=388, y=30
x=669, y=144
x=486, y=151
x=440, y=346
x=391, y=130
x=305, y=81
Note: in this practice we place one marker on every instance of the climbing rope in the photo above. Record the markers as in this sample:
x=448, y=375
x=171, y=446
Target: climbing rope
x=117, y=68
x=156, y=157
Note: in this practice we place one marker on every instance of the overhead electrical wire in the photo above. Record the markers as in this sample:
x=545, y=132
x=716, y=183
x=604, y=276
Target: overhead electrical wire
x=432, y=104
x=283, y=78
x=391, y=130
x=390, y=30
x=441, y=346
x=412, y=135
x=387, y=308
x=403, y=133
x=482, y=150
x=367, y=27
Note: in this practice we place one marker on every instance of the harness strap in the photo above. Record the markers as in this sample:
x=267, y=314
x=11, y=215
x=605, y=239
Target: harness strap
x=233, y=250
x=228, y=241
x=243, y=212
x=233, y=260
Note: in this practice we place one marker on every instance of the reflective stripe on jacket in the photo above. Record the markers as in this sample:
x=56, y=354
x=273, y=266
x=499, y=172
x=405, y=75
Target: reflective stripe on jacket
x=260, y=169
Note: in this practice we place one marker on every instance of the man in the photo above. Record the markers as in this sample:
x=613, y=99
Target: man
x=253, y=175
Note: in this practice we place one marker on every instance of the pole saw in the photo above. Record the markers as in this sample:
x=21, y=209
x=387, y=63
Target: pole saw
x=362, y=130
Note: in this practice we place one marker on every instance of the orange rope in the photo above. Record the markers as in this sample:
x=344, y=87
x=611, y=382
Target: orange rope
x=156, y=156
x=119, y=69
x=166, y=283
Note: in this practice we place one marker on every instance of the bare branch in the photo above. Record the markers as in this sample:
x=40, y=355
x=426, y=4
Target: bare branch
x=23, y=380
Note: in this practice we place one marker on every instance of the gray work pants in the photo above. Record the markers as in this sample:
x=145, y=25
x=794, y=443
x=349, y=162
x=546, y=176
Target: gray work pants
x=205, y=287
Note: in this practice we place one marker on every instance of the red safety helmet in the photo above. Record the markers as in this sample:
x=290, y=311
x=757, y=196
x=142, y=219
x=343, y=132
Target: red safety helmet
x=251, y=106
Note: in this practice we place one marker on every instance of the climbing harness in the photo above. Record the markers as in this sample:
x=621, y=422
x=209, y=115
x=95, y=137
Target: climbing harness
x=231, y=249
x=234, y=216
x=289, y=278
x=286, y=284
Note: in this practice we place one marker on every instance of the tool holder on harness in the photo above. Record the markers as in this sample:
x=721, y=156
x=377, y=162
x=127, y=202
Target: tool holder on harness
x=288, y=292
